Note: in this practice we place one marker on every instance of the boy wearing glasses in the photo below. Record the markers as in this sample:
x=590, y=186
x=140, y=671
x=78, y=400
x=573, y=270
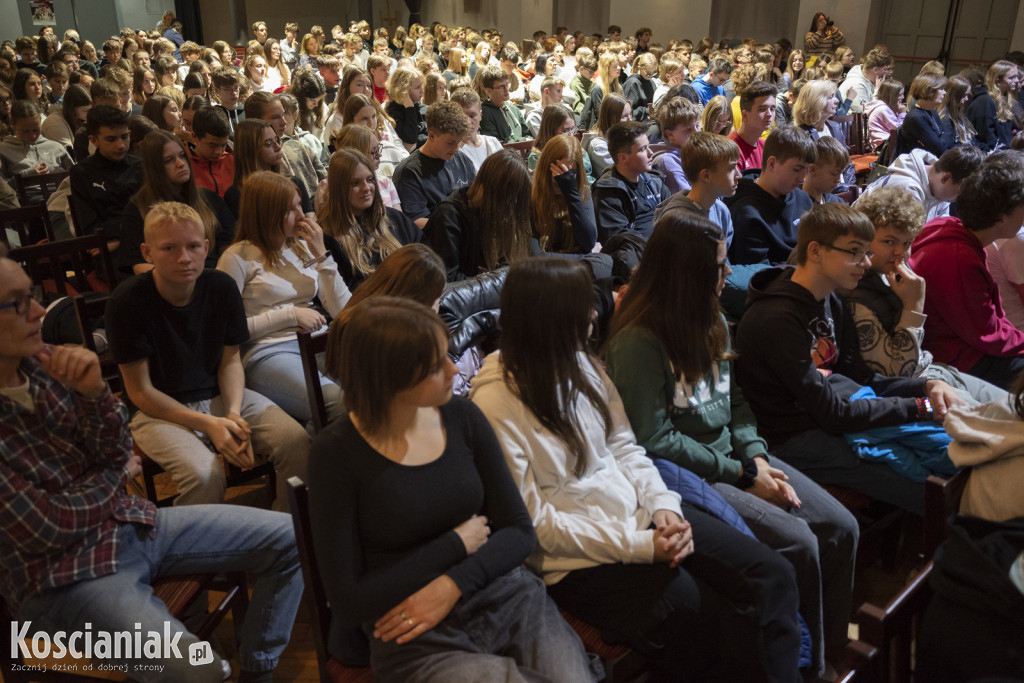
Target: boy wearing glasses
x=710, y=84
x=227, y=84
x=77, y=553
x=583, y=82
x=799, y=363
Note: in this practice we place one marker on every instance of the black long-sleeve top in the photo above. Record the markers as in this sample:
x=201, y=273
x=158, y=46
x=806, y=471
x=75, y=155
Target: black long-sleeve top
x=409, y=123
x=922, y=128
x=383, y=530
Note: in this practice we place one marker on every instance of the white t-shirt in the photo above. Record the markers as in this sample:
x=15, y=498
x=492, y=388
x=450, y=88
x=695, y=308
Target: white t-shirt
x=488, y=146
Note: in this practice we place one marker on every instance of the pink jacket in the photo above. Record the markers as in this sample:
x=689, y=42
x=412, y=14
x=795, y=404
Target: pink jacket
x=881, y=120
x=965, y=313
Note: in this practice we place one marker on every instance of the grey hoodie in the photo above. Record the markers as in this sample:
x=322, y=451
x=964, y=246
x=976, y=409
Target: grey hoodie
x=910, y=172
x=18, y=158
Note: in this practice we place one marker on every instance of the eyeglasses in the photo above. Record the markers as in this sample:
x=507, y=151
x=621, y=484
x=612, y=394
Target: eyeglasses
x=22, y=304
x=857, y=255
x=378, y=151
x=6, y=100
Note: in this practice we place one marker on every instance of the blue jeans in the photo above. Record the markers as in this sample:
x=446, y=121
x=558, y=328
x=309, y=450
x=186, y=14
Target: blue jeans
x=192, y=539
x=820, y=541
x=828, y=459
x=508, y=631
x=275, y=370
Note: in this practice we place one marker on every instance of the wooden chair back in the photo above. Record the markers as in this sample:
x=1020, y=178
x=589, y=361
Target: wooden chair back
x=331, y=670
x=311, y=345
x=29, y=187
x=523, y=148
x=892, y=629
x=30, y=224
x=48, y=264
x=941, y=500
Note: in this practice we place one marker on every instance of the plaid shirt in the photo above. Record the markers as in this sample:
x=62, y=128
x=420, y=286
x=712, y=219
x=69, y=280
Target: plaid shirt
x=62, y=480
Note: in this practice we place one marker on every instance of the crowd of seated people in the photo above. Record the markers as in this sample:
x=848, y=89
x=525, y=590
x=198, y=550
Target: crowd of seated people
x=690, y=311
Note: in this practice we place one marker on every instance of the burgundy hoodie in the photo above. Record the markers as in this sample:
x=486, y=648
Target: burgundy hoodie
x=965, y=313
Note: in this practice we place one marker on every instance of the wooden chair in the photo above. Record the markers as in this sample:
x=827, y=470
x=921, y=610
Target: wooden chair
x=48, y=264
x=89, y=310
x=850, y=195
x=311, y=345
x=874, y=531
x=43, y=183
x=864, y=660
x=176, y=592
x=892, y=629
x=31, y=225
x=523, y=148
x=621, y=663
x=941, y=499
x=331, y=670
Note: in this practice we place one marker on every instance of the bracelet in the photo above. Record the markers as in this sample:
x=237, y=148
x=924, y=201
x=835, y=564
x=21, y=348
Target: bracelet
x=924, y=409
x=313, y=261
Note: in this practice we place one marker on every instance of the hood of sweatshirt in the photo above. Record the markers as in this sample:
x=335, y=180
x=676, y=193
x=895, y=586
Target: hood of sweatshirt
x=914, y=165
x=778, y=282
x=873, y=105
x=947, y=229
x=984, y=432
x=490, y=372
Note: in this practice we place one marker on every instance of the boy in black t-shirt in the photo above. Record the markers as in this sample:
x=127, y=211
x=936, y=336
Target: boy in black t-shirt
x=175, y=333
x=438, y=168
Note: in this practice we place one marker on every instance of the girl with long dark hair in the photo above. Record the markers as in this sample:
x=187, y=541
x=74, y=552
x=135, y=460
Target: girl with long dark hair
x=419, y=529
x=698, y=599
x=670, y=358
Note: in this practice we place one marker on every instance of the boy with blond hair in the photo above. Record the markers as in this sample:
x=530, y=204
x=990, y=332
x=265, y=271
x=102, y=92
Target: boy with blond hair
x=175, y=333
x=678, y=119
x=826, y=172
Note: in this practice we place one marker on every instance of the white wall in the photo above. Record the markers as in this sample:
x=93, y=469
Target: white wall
x=1017, y=39
x=140, y=13
x=667, y=19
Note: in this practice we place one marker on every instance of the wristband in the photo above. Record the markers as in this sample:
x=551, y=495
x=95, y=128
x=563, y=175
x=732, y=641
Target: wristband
x=313, y=261
x=924, y=409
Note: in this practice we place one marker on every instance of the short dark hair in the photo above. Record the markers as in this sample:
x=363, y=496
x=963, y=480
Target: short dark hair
x=825, y=223
x=754, y=92
x=719, y=65
x=104, y=116
x=960, y=162
x=992, y=191
x=395, y=339
x=210, y=121
x=622, y=135
x=788, y=142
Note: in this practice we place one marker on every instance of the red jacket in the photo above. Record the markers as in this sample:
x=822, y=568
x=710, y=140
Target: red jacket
x=216, y=176
x=965, y=313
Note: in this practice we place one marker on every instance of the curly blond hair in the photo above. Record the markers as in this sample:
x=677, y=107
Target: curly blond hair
x=893, y=207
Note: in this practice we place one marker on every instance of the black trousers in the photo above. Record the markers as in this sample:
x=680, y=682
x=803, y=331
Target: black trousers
x=728, y=613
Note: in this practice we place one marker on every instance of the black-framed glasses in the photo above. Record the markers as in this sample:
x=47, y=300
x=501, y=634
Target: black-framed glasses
x=378, y=150
x=857, y=255
x=22, y=304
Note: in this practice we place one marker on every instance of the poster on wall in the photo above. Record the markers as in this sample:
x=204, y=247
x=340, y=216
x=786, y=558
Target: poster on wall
x=42, y=12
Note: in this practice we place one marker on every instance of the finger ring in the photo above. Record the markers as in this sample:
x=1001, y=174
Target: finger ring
x=409, y=621
x=402, y=615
